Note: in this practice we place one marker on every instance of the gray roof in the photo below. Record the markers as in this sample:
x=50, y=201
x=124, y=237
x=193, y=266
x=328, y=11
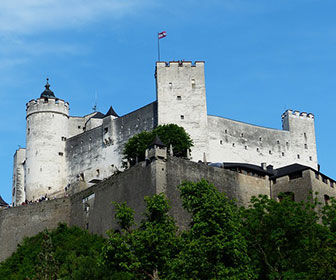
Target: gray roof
x=98, y=115
x=2, y=202
x=47, y=92
x=111, y=112
x=288, y=170
x=157, y=142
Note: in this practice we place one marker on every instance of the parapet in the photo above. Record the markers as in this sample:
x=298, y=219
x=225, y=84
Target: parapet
x=291, y=113
x=179, y=63
x=47, y=105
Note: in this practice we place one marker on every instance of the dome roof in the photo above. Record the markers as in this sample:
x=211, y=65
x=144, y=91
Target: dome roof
x=47, y=92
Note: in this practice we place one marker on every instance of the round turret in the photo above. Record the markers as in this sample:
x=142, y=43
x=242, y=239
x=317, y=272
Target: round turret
x=47, y=130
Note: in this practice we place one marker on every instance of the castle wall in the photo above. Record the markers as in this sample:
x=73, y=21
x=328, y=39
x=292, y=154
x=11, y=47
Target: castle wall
x=234, y=141
x=18, y=188
x=28, y=220
x=182, y=101
x=236, y=185
x=92, y=209
x=47, y=122
x=97, y=153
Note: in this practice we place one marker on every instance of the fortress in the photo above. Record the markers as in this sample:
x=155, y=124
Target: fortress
x=76, y=161
x=65, y=153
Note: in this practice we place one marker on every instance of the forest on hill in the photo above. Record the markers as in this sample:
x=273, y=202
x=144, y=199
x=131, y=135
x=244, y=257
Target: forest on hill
x=267, y=240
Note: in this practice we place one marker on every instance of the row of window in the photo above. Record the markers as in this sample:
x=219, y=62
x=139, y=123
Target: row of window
x=192, y=81
x=324, y=179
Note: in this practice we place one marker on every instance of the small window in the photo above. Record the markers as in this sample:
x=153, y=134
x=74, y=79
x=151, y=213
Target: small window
x=245, y=147
x=258, y=150
x=295, y=175
x=179, y=97
x=242, y=135
x=324, y=180
x=278, y=142
x=45, y=100
x=287, y=145
x=332, y=184
x=283, y=154
x=289, y=195
x=305, y=136
x=310, y=158
x=233, y=144
x=270, y=152
x=40, y=169
x=225, y=131
x=298, y=156
x=63, y=138
x=193, y=83
x=97, y=172
x=79, y=127
x=305, y=146
x=49, y=188
x=260, y=138
x=317, y=176
x=28, y=130
x=326, y=199
x=105, y=130
x=170, y=85
x=221, y=142
x=182, y=117
x=60, y=153
x=81, y=176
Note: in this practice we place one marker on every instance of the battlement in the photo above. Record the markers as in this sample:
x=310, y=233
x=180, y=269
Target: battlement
x=179, y=63
x=47, y=105
x=296, y=113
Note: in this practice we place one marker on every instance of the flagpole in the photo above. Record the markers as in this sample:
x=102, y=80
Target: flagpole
x=158, y=47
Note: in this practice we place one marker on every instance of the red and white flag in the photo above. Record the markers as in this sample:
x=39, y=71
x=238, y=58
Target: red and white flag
x=162, y=34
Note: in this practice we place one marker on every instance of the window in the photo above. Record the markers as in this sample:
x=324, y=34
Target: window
x=298, y=156
x=305, y=136
x=81, y=176
x=326, y=199
x=317, y=176
x=233, y=144
x=270, y=152
x=258, y=150
x=97, y=172
x=310, y=158
x=221, y=142
x=305, y=146
x=182, y=117
x=192, y=83
x=79, y=127
x=28, y=130
x=278, y=142
x=283, y=154
x=245, y=147
x=225, y=131
x=324, y=180
x=332, y=184
x=179, y=97
x=105, y=130
x=242, y=135
x=63, y=138
x=295, y=175
x=60, y=153
x=45, y=100
x=170, y=85
x=288, y=195
x=260, y=138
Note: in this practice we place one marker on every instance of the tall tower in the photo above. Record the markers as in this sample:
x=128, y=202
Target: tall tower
x=47, y=123
x=302, y=145
x=180, y=89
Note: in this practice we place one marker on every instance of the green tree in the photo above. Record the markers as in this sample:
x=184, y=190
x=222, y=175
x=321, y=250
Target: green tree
x=213, y=246
x=287, y=241
x=63, y=253
x=145, y=251
x=170, y=134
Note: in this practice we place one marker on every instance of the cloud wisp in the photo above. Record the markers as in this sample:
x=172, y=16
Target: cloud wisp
x=31, y=16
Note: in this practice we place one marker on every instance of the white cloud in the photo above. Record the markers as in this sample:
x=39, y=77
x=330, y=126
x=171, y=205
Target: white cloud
x=30, y=16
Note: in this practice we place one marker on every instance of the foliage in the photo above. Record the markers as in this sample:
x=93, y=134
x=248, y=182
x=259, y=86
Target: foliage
x=64, y=253
x=170, y=134
x=145, y=251
x=287, y=241
x=213, y=246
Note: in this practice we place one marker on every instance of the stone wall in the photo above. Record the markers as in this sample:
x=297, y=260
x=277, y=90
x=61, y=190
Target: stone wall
x=28, y=220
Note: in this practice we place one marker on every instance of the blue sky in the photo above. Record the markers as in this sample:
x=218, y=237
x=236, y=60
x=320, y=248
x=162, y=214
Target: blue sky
x=262, y=57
